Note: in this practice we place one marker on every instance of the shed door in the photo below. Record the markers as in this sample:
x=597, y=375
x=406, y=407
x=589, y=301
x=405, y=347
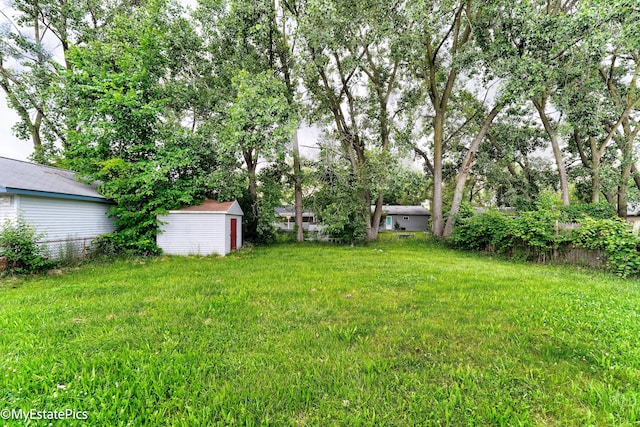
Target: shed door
x=234, y=234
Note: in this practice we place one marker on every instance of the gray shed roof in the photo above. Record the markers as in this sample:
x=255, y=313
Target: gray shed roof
x=18, y=177
x=404, y=210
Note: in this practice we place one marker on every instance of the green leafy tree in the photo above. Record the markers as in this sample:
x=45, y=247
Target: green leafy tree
x=254, y=38
x=406, y=187
x=31, y=72
x=120, y=128
x=351, y=74
x=538, y=53
x=509, y=170
x=258, y=127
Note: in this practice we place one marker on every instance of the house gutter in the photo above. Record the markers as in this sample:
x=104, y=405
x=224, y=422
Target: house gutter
x=19, y=191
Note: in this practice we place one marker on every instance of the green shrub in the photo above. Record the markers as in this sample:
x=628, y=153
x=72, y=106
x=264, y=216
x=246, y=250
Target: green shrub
x=533, y=234
x=20, y=249
x=535, y=230
x=344, y=222
x=123, y=243
x=482, y=231
x=616, y=238
x=574, y=213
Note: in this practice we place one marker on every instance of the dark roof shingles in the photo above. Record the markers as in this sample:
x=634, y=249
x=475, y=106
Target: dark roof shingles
x=22, y=175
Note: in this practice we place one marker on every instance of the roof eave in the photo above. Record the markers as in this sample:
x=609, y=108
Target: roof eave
x=20, y=191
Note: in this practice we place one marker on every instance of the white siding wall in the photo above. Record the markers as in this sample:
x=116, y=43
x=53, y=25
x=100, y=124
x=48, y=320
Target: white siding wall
x=193, y=233
x=63, y=218
x=8, y=208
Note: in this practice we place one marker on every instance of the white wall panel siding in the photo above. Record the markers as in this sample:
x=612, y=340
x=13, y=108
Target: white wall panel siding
x=65, y=218
x=193, y=233
x=8, y=208
x=235, y=209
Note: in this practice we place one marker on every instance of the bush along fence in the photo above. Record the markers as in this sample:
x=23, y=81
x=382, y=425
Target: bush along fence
x=547, y=235
x=24, y=251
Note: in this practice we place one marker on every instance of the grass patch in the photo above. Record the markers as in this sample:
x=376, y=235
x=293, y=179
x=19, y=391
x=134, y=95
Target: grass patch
x=400, y=332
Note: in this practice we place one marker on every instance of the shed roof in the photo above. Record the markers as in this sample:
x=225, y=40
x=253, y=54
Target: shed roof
x=211, y=205
x=19, y=177
x=404, y=210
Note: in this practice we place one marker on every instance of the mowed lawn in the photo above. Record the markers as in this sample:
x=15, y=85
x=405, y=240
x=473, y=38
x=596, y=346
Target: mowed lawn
x=398, y=333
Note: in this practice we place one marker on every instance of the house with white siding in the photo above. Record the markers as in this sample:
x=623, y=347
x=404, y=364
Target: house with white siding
x=209, y=228
x=69, y=213
x=286, y=219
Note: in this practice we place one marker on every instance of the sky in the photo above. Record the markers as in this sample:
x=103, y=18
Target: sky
x=10, y=146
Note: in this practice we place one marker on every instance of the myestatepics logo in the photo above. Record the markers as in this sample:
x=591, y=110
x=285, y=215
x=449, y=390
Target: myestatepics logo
x=36, y=415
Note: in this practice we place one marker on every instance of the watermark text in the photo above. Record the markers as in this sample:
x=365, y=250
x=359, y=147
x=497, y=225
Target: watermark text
x=37, y=414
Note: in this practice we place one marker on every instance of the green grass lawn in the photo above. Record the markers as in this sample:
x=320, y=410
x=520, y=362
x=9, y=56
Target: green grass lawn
x=401, y=332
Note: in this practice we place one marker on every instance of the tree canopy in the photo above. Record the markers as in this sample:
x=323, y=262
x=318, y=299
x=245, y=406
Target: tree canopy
x=456, y=101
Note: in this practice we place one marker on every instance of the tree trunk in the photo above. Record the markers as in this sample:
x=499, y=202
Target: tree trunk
x=297, y=184
x=251, y=171
x=466, y=167
x=436, y=208
x=374, y=221
x=625, y=174
x=595, y=171
x=555, y=145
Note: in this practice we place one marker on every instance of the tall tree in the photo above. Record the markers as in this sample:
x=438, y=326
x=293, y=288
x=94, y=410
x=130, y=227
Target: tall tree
x=351, y=77
x=258, y=126
x=441, y=35
x=121, y=130
x=34, y=50
x=535, y=51
x=254, y=37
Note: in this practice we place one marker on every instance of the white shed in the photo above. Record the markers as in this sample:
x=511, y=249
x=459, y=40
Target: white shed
x=67, y=212
x=209, y=228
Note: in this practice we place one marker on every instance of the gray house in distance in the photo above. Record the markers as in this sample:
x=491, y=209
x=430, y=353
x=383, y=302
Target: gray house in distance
x=68, y=212
x=404, y=218
x=286, y=219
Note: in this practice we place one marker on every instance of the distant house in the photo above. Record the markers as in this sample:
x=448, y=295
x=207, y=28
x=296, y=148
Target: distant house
x=633, y=215
x=404, y=218
x=507, y=210
x=286, y=219
x=209, y=228
x=69, y=213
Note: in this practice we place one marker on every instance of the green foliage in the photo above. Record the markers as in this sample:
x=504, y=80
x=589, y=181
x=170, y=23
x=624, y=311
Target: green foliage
x=405, y=187
x=575, y=212
x=259, y=120
x=615, y=237
x=548, y=200
x=258, y=126
x=338, y=204
x=19, y=248
x=533, y=234
x=344, y=221
x=478, y=232
x=122, y=132
x=107, y=246
x=259, y=216
x=535, y=230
